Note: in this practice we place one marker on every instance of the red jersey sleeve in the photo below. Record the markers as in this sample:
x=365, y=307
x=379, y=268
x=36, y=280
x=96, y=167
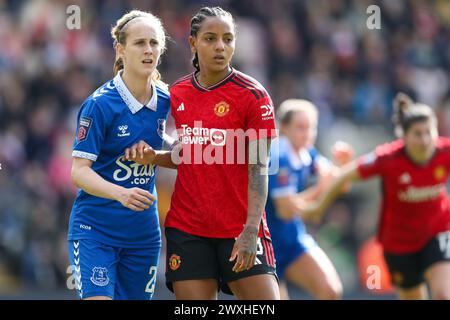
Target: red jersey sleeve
x=444, y=145
x=374, y=163
x=260, y=119
x=369, y=165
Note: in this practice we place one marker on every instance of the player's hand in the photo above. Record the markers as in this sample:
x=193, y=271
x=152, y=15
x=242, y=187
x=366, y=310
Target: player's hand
x=342, y=153
x=312, y=212
x=244, y=250
x=141, y=153
x=136, y=199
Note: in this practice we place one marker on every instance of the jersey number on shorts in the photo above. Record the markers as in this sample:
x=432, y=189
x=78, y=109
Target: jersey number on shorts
x=150, y=288
x=259, y=251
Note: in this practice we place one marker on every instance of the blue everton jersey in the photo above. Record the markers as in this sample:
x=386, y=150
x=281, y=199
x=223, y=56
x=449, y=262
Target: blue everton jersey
x=109, y=121
x=296, y=173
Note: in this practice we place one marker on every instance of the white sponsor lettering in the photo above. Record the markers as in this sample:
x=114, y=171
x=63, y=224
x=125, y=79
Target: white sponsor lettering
x=267, y=112
x=200, y=135
x=419, y=194
x=135, y=169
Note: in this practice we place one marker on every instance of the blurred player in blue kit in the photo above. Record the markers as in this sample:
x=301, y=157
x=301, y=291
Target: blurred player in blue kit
x=114, y=234
x=298, y=257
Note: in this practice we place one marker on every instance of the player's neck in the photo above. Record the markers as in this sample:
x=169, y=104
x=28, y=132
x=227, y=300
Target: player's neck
x=207, y=78
x=140, y=87
x=420, y=158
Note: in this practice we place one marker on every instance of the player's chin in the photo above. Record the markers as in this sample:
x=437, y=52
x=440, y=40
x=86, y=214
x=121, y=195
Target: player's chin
x=219, y=66
x=147, y=69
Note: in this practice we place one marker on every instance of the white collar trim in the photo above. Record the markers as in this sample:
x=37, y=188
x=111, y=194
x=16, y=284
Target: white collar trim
x=130, y=100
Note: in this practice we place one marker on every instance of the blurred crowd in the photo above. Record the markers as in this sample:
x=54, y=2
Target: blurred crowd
x=315, y=49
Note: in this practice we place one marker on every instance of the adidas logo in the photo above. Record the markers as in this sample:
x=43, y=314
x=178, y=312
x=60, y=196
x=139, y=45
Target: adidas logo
x=181, y=107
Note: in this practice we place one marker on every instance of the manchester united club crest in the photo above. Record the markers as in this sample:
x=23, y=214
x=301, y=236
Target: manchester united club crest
x=174, y=262
x=221, y=109
x=439, y=173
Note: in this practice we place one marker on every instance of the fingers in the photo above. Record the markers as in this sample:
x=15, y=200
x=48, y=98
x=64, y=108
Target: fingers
x=136, y=204
x=133, y=207
x=252, y=261
x=245, y=261
x=142, y=199
x=137, y=199
x=238, y=265
x=249, y=261
x=342, y=152
x=141, y=146
x=136, y=150
x=145, y=193
x=145, y=200
x=234, y=253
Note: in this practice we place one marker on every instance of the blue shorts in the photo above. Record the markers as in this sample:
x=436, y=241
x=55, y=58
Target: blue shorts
x=285, y=254
x=119, y=273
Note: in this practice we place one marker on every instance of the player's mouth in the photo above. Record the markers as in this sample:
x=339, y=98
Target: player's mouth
x=147, y=61
x=219, y=58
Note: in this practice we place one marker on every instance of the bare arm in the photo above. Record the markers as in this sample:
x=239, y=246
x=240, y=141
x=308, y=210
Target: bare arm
x=347, y=174
x=298, y=204
x=87, y=179
x=164, y=159
x=245, y=246
x=295, y=204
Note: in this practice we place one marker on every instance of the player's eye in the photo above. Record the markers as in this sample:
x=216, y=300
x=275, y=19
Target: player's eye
x=154, y=42
x=228, y=40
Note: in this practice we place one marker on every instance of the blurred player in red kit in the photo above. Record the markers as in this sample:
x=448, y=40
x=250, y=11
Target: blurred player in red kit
x=414, y=227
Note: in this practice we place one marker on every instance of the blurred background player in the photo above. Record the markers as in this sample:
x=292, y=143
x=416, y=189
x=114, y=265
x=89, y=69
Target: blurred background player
x=299, y=259
x=217, y=236
x=414, y=227
x=114, y=234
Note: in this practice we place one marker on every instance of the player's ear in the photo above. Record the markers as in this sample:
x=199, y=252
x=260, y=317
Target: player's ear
x=192, y=44
x=120, y=50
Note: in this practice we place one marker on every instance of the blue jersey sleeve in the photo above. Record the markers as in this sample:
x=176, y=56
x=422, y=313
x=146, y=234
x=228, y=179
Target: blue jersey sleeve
x=283, y=183
x=91, y=131
x=318, y=160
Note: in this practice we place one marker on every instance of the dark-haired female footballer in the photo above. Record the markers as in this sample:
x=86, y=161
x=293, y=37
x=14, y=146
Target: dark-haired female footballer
x=216, y=230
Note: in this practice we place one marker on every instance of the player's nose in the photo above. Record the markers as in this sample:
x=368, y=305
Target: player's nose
x=148, y=49
x=220, y=45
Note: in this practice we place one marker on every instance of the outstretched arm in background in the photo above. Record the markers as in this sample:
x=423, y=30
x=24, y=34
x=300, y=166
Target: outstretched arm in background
x=347, y=174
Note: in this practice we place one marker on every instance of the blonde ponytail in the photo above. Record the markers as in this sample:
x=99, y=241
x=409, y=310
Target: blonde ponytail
x=118, y=65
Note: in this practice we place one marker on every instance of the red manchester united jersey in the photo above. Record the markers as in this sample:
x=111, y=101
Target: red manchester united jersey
x=415, y=205
x=214, y=125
